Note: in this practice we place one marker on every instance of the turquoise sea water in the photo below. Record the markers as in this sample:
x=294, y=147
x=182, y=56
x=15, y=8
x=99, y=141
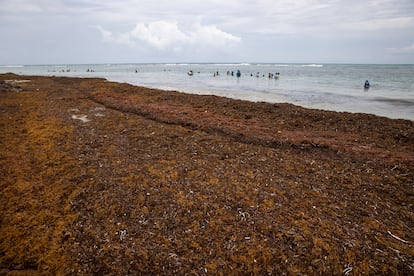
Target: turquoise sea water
x=337, y=87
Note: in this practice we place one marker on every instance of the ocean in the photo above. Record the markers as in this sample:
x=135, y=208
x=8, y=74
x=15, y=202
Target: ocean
x=337, y=87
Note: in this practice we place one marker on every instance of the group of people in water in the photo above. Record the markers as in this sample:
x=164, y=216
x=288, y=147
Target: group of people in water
x=238, y=74
x=258, y=74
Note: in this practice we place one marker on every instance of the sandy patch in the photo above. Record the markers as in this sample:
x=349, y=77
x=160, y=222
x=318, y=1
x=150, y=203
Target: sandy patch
x=83, y=118
x=98, y=108
x=16, y=81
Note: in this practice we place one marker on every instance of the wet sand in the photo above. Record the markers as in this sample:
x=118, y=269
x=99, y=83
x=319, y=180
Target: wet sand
x=107, y=178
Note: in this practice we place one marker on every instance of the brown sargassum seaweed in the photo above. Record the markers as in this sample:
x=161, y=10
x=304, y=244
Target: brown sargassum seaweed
x=107, y=178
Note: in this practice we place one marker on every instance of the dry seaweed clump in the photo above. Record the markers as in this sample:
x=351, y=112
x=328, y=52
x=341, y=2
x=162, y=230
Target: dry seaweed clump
x=156, y=182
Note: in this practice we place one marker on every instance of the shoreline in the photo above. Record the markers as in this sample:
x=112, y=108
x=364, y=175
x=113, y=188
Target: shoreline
x=111, y=178
x=330, y=87
x=257, y=99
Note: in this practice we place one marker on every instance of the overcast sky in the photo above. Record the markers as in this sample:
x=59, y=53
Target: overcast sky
x=133, y=31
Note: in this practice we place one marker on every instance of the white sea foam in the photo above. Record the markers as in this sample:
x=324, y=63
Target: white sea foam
x=176, y=64
x=11, y=66
x=231, y=64
x=312, y=65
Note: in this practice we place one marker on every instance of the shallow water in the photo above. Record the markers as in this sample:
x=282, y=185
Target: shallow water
x=337, y=87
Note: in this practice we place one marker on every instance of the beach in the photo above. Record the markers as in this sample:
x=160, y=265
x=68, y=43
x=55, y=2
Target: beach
x=100, y=177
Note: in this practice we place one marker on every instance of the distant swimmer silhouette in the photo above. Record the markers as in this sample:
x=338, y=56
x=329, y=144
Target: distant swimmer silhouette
x=366, y=85
x=190, y=73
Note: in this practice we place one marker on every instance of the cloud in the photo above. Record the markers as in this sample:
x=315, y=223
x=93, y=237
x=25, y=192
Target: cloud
x=108, y=36
x=211, y=30
x=167, y=35
x=211, y=35
x=381, y=24
x=403, y=50
x=22, y=6
x=160, y=34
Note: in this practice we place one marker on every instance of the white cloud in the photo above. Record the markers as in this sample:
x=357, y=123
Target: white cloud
x=160, y=34
x=22, y=6
x=403, y=50
x=108, y=36
x=167, y=35
x=211, y=35
x=381, y=24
